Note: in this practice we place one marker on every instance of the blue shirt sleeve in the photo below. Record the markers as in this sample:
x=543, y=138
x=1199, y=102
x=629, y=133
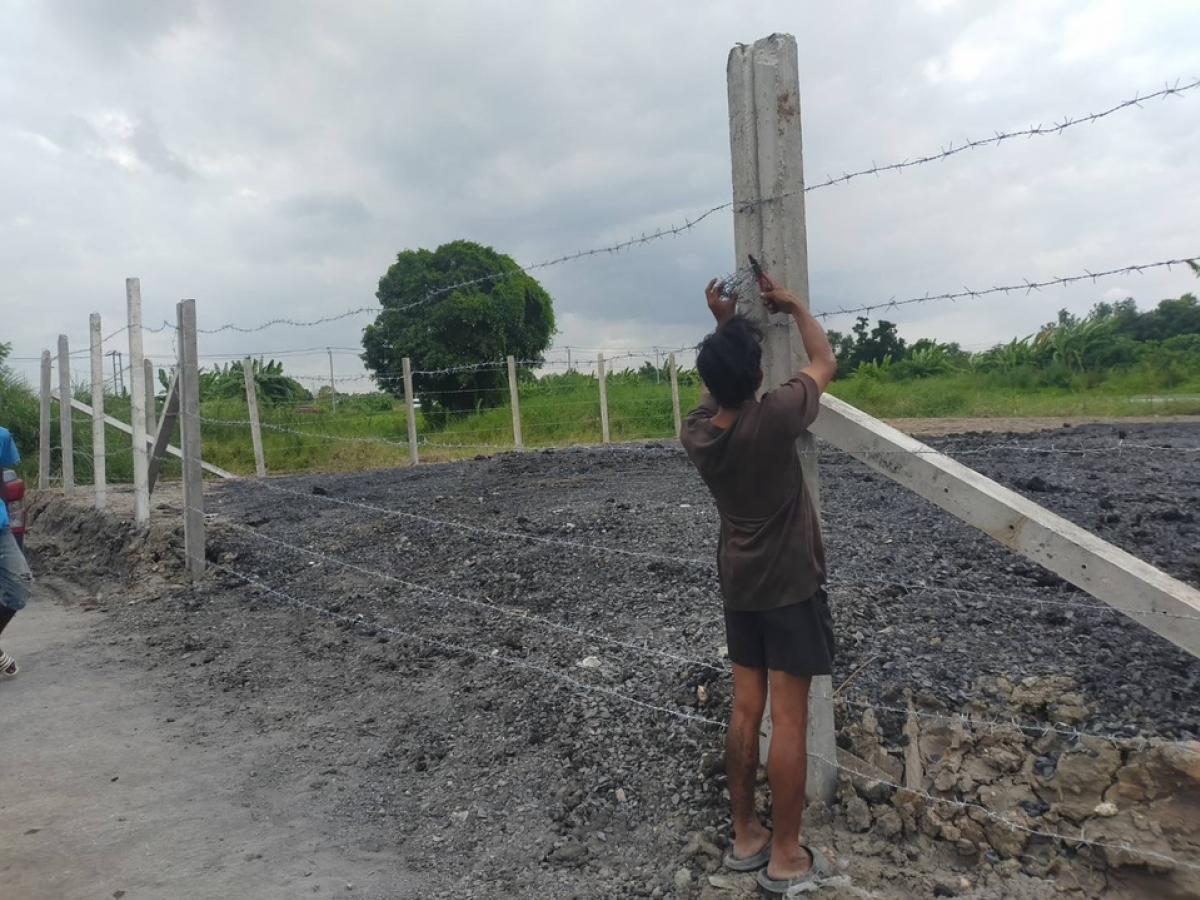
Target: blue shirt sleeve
x=8, y=449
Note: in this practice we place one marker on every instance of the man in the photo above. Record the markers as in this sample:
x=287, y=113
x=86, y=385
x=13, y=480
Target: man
x=14, y=572
x=771, y=563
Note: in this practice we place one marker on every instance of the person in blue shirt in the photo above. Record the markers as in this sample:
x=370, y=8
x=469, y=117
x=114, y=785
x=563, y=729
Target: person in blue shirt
x=14, y=571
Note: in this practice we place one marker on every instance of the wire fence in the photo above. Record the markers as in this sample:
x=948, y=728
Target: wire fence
x=640, y=417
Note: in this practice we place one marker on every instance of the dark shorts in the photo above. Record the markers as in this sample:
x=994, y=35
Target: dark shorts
x=796, y=639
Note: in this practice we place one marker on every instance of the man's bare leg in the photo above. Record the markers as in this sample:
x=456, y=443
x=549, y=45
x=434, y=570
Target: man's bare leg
x=741, y=759
x=787, y=770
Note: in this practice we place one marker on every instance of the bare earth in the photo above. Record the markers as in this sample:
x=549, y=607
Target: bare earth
x=107, y=792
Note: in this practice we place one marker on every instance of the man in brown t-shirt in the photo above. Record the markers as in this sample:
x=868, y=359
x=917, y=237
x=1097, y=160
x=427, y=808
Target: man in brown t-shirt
x=771, y=563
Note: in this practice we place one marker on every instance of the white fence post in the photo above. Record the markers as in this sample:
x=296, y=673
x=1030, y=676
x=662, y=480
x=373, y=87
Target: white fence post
x=332, y=384
x=99, y=459
x=151, y=400
x=44, y=425
x=260, y=462
x=411, y=415
x=189, y=439
x=137, y=402
x=514, y=396
x=675, y=395
x=768, y=202
x=66, y=430
x=603, y=379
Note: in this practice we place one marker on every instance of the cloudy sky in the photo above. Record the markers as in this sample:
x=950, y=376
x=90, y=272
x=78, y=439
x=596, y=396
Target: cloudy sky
x=270, y=158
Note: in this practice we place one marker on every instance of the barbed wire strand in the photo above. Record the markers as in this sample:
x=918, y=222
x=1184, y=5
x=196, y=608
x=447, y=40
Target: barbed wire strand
x=361, y=622
x=1176, y=90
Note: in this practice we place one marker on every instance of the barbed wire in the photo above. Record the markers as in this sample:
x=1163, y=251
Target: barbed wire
x=361, y=622
x=1176, y=90
x=1025, y=285
x=681, y=560
x=480, y=604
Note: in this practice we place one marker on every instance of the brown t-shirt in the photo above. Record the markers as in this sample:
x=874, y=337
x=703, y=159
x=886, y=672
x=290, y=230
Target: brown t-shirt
x=770, y=552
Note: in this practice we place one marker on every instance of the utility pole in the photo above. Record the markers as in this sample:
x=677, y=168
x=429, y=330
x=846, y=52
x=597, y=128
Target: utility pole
x=768, y=203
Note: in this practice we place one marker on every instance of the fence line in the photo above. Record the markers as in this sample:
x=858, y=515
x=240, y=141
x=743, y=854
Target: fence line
x=360, y=621
x=479, y=604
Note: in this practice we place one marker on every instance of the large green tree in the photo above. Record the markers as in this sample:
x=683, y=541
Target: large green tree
x=453, y=308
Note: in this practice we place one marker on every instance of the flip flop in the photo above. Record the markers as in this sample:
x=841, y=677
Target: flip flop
x=788, y=887
x=748, y=863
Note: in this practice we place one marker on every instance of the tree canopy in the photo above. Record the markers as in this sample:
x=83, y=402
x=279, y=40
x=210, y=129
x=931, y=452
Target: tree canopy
x=456, y=306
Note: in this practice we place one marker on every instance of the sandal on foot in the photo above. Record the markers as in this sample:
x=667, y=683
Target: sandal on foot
x=748, y=863
x=8, y=666
x=788, y=887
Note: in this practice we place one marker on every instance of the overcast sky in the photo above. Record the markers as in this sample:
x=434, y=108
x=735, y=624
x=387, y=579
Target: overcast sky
x=270, y=158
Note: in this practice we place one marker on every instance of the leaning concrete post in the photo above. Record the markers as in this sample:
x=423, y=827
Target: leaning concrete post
x=189, y=439
x=411, y=412
x=99, y=458
x=514, y=397
x=137, y=402
x=66, y=430
x=675, y=395
x=260, y=462
x=44, y=425
x=151, y=400
x=602, y=377
x=768, y=203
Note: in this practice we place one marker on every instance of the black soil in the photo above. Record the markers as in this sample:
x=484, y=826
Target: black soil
x=438, y=722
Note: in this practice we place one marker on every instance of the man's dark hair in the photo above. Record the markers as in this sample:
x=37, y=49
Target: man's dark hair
x=730, y=360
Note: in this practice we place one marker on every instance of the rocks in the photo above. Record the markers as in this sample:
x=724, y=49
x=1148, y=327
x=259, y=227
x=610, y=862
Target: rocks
x=858, y=814
x=1083, y=775
x=569, y=855
x=888, y=823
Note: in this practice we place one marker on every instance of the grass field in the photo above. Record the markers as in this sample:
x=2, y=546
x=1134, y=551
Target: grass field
x=370, y=431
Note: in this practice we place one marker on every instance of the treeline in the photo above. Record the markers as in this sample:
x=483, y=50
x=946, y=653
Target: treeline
x=1163, y=341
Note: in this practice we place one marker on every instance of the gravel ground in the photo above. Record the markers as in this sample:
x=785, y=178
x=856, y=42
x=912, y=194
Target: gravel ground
x=435, y=720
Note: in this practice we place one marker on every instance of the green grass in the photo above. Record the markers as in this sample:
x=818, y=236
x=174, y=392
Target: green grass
x=370, y=431
x=983, y=395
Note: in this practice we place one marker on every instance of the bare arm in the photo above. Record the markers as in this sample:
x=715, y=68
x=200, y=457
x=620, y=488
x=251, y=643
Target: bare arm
x=822, y=364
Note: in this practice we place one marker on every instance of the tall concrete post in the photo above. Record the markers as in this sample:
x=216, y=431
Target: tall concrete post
x=137, y=402
x=189, y=439
x=66, y=431
x=44, y=425
x=602, y=378
x=260, y=460
x=410, y=411
x=768, y=197
x=514, y=397
x=151, y=400
x=99, y=457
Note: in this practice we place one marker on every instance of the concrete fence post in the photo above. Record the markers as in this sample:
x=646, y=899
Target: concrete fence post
x=514, y=397
x=768, y=203
x=137, y=402
x=99, y=457
x=151, y=400
x=675, y=395
x=44, y=425
x=332, y=382
x=66, y=430
x=602, y=378
x=260, y=462
x=411, y=412
x=189, y=439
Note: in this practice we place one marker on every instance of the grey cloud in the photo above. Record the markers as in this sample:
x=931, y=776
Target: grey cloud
x=302, y=146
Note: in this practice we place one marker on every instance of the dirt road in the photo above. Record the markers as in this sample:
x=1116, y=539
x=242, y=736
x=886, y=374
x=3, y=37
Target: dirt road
x=107, y=791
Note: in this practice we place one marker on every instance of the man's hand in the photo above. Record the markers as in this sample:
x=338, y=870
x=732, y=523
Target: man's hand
x=722, y=308
x=781, y=300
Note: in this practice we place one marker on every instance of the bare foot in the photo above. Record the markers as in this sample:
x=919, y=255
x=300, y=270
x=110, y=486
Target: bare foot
x=790, y=863
x=750, y=840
